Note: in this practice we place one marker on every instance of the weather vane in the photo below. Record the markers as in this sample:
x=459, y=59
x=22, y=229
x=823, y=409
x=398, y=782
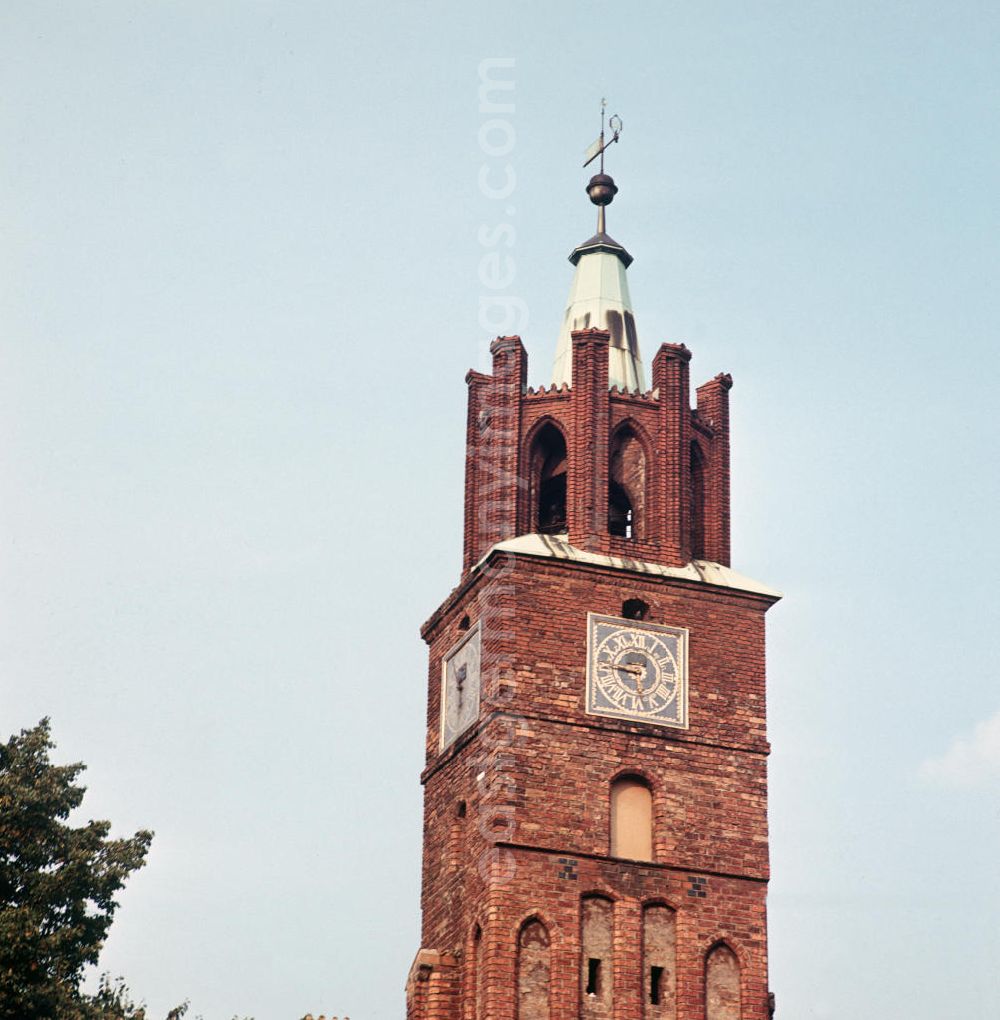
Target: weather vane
x=597, y=149
x=602, y=188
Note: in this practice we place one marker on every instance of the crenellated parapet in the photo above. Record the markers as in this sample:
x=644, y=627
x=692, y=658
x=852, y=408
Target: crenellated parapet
x=639, y=475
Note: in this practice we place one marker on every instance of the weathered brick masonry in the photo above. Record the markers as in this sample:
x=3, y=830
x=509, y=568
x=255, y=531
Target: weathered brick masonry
x=526, y=912
x=679, y=447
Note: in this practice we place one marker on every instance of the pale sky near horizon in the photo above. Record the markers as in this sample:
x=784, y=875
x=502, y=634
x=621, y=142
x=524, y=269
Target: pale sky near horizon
x=238, y=296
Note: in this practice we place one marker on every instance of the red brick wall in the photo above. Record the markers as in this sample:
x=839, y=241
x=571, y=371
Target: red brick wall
x=503, y=415
x=533, y=776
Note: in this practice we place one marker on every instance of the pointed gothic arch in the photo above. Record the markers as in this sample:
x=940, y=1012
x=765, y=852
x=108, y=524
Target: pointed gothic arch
x=547, y=461
x=474, y=975
x=627, y=482
x=723, y=998
x=533, y=970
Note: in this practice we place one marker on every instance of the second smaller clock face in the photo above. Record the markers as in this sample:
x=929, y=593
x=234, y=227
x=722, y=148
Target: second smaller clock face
x=460, y=687
x=637, y=671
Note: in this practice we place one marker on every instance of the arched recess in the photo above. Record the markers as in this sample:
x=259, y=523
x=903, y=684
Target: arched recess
x=626, y=484
x=533, y=971
x=696, y=515
x=631, y=818
x=659, y=962
x=596, y=959
x=547, y=480
x=722, y=984
x=475, y=975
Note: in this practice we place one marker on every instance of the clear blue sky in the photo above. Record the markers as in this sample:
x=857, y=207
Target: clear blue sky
x=238, y=297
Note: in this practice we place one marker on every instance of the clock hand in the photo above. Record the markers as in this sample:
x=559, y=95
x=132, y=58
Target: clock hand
x=629, y=667
x=638, y=672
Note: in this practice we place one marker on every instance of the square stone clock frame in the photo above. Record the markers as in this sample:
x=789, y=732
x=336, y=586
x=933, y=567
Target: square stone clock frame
x=637, y=671
x=460, y=685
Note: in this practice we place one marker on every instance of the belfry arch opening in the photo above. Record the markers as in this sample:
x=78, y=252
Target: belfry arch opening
x=696, y=517
x=626, y=485
x=548, y=481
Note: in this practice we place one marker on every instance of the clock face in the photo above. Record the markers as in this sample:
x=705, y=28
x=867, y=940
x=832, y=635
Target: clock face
x=460, y=686
x=637, y=671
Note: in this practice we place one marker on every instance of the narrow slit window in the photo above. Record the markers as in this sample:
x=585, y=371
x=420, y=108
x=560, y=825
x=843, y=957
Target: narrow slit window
x=655, y=985
x=593, y=976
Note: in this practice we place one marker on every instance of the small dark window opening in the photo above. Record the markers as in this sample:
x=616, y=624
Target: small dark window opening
x=461, y=809
x=655, y=985
x=635, y=609
x=593, y=977
x=464, y=623
x=620, y=517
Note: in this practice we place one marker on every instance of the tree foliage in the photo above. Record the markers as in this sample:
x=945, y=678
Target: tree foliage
x=57, y=889
x=113, y=1001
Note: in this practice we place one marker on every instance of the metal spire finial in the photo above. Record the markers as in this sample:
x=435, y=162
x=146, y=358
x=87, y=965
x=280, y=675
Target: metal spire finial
x=601, y=187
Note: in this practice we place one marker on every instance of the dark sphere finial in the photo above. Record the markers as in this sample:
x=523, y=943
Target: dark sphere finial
x=602, y=189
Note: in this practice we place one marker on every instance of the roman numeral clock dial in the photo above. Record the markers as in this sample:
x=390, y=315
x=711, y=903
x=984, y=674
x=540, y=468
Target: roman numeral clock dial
x=637, y=671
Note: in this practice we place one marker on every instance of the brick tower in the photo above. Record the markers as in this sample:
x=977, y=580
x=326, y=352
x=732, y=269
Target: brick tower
x=595, y=789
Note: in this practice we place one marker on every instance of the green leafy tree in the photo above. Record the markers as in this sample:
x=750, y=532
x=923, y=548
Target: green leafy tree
x=57, y=889
x=113, y=1001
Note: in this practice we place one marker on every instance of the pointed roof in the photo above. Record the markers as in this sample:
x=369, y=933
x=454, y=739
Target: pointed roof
x=601, y=242
x=599, y=298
